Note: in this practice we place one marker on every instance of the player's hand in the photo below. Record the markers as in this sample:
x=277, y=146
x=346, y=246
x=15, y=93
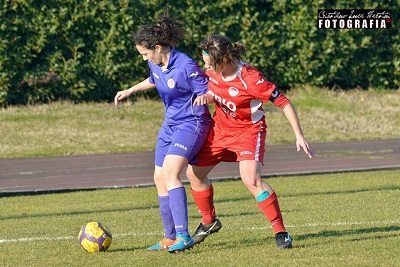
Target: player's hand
x=121, y=95
x=200, y=100
x=203, y=99
x=301, y=143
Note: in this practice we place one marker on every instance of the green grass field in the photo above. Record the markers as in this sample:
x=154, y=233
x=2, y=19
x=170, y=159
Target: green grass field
x=61, y=129
x=337, y=219
x=349, y=219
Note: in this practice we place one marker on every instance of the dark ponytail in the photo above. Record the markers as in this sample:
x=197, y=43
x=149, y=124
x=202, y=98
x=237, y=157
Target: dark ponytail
x=222, y=50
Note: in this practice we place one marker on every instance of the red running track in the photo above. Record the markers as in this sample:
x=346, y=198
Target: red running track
x=58, y=174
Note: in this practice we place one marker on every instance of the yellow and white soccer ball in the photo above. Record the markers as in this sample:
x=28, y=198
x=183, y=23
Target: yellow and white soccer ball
x=95, y=237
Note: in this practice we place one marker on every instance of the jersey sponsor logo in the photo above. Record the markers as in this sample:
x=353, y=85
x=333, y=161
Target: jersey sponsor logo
x=260, y=81
x=246, y=153
x=155, y=75
x=227, y=106
x=194, y=74
x=171, y=83
x=213, y=80
x=233, y=91
x=181, y=146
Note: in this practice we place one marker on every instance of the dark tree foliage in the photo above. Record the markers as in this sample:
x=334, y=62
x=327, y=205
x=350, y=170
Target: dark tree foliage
x=84, y=50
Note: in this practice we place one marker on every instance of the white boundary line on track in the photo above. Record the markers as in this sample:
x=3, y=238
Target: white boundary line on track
x=44, y=238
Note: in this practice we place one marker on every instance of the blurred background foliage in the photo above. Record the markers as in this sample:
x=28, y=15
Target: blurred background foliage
x=83, y=50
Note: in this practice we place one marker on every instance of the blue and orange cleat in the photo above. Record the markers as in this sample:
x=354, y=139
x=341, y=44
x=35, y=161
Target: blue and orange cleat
x=164, y=244
x=182, y=243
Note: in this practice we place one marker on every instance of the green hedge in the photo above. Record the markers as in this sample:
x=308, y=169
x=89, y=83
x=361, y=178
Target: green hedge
x=83, y=50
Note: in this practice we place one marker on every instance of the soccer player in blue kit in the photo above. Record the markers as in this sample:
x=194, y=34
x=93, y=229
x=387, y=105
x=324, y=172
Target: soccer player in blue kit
x=179, y=81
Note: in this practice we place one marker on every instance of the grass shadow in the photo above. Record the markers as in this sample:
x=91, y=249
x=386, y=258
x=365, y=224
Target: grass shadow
x=235, y=199
x=343, y=192
x=380, y=233
x=225, y=215
x=341, y=233
x=73, y=213
x=242, y=243
x=129, y=249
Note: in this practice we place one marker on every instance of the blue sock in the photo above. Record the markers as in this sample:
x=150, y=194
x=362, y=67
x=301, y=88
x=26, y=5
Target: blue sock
x=178, y=205
x=263, y=195
x=166, y=217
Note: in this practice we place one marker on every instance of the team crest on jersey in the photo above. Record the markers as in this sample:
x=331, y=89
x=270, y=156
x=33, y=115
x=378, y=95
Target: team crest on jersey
x=171, y=83
x=233, y=91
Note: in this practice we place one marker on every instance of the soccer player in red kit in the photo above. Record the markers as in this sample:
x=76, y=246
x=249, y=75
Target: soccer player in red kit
x=238, y=133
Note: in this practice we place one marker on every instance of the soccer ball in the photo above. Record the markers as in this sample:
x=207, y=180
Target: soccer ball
x=94, y=237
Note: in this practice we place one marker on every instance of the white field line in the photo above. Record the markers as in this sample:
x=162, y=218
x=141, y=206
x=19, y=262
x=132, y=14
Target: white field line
x=44, y=238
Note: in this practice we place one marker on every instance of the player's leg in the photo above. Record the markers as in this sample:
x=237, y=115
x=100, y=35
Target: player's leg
x=172, y=167
x=201, y=188
x=162, y=146
x=203, y=195
x=202, y=191
x=165, y=212
x=266, y=199
x=185, y=143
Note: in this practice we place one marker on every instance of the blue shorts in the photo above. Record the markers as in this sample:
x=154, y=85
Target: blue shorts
x=184, y=140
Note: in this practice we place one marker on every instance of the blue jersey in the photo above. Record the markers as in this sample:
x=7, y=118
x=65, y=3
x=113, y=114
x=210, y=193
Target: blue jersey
x=178, y=85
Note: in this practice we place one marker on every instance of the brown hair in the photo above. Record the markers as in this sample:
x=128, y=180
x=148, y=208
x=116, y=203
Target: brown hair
x=166, y=31
x=222, y=50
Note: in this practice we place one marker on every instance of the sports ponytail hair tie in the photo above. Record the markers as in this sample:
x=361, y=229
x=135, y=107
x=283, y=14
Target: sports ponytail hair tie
x=204, y=52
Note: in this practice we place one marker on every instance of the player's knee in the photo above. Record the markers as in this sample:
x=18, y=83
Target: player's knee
x=158, y=177
x=170, y=174
x=191, y=175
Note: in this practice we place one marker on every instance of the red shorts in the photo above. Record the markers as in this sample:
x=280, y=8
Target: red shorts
x=232, y=145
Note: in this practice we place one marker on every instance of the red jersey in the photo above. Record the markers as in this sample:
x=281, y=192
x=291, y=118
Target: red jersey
x=239, y=101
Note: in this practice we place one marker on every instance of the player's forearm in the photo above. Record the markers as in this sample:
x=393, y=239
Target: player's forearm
x=142, y=86
x=291, y=115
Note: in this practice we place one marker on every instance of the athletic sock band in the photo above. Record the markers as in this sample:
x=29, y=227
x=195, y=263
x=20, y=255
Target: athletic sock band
x=262, y=196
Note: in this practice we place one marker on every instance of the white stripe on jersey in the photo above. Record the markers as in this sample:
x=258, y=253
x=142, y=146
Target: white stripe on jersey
x=239, y=74
x=194, y=115
x=256, y=114
x=258, y=145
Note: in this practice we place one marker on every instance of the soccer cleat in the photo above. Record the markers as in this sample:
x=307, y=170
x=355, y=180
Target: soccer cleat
x=283, y=240
x=164, y=244
x=182, y=242
x=204, y=230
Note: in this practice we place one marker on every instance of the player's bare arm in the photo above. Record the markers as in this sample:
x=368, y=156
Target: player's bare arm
x=301, y=142
x=142, y=86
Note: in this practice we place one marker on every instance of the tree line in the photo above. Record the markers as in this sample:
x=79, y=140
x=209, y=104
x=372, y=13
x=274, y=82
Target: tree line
x=84, y=50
